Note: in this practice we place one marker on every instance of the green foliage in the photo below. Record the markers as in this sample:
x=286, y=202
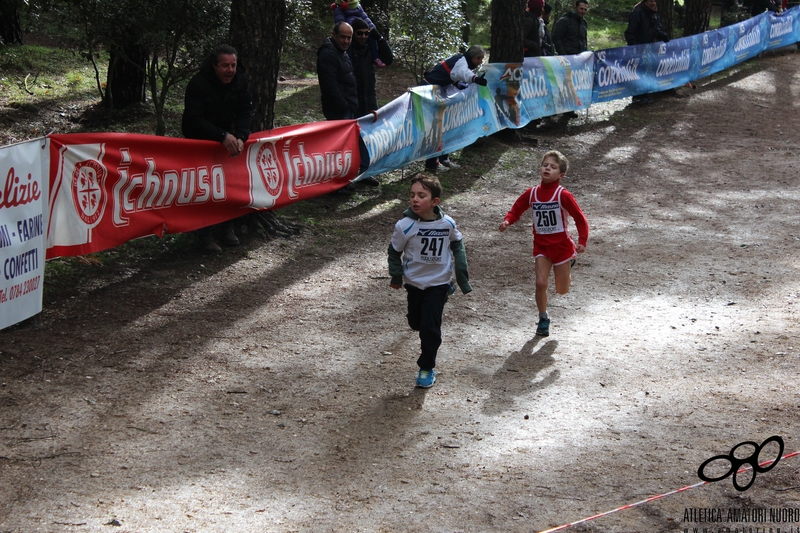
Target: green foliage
x=33, y=73
x=425, y=32
x=604, y=33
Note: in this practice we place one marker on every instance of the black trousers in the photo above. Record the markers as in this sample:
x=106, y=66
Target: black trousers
x=425, y=309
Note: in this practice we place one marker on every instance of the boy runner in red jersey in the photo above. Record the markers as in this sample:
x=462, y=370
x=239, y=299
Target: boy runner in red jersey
x=553, y=246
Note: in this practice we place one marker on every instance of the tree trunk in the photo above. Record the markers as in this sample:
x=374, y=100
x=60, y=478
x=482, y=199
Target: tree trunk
x=507, y=28
x=257, y=31
x=10, y=28
x=125, y=84
x=465, y=29
x=665, y=13
x=698, y=16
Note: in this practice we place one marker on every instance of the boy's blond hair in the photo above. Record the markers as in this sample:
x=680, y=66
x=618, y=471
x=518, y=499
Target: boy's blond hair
x=563, y=162
x=430, y=182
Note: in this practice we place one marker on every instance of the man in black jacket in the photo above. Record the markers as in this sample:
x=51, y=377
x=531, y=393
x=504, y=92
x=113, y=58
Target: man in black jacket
x=644, y=26
x=337, y=83
x=571, y=31
x=364, y=65
x=218, y=108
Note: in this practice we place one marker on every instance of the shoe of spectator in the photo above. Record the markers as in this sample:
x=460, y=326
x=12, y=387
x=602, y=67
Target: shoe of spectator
x=347, y=190
x=372, y=182
x=230, y=238
x=207, y=244
x=449, y=164
x=436, y=168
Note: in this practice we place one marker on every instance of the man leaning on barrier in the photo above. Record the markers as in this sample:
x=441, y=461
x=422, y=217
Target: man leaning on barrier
x=218, y=107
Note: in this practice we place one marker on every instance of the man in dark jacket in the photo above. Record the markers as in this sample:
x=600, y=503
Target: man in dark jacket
x=571, y=30
x=218, y=108
x=532, y=29
x=547, y=40
x=337, y=83
x=644, y=24
x=364, y=65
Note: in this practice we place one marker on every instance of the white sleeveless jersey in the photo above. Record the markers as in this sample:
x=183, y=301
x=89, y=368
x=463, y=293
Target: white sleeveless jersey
x=427, y=259
x=549, y=217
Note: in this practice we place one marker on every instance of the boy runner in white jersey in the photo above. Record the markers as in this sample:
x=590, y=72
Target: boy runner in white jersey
x=424, y=247
x=553, y=247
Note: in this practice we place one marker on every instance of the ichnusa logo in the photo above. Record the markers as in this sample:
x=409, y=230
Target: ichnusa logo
x=717, y=464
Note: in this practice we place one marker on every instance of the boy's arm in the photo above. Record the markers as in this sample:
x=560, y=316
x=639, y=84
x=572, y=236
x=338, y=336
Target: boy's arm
x=395, y=266
x=574, y=210
x=522, y=204
x=460, y=259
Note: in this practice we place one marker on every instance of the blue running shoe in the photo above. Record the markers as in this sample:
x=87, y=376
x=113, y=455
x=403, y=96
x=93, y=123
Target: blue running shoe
x=543, y=328
x=426, y=379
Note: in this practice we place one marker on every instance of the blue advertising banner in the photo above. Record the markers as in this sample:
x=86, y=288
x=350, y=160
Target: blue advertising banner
x=448, y=119
x=621, y=72
x=749, y=38
x=673, y=63
x=713, y=48
x=782, y=30
x=540, y=87
x=391, y=138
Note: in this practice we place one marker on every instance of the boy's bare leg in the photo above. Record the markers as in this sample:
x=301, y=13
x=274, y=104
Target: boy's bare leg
x=563, y=278
x=543, y=266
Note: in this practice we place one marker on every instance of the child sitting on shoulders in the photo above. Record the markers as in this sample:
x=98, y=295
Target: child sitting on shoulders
x=349, y=10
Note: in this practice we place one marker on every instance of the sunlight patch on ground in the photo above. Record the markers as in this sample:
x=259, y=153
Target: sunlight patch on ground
x=621, y=152
x=761, y=82
x=380, y=208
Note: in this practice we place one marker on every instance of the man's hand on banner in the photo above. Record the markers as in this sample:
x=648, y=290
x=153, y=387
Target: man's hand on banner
x=233, y=145
x=480, y=80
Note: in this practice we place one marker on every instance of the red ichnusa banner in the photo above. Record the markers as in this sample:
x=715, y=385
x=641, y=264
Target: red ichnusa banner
x=109, y=188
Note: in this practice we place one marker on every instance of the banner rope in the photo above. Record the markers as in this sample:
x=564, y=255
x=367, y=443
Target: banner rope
x=656, y=497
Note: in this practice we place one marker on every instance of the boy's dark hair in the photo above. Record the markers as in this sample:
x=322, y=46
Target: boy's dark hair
x=563, y=162
x=579, y=2
x=429, y=182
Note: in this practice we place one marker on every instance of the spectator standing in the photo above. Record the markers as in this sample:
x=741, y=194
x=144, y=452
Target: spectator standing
x=571, y=31
x=532, y=29
x=547, y=40
x=644, y=26
x=456, y=70
x=218, y=107
x=337, y=83
x=364, y=67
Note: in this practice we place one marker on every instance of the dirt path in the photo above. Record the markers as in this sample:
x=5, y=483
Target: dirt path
x=271, y=389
